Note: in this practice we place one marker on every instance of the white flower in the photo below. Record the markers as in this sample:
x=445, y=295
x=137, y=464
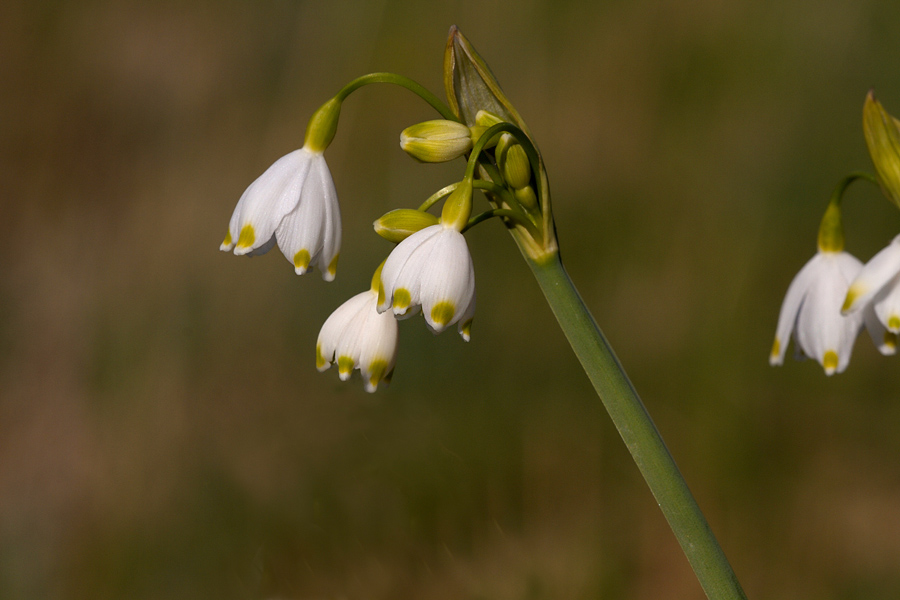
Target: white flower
x=878, y=285
x=293, y=203
x=432, y=270
x=812, y=312
x=356, y=336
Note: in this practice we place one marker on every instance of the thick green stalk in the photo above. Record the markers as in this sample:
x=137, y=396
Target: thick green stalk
x=638, y=431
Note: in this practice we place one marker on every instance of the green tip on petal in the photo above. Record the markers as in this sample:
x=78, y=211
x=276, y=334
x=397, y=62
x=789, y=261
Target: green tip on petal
x=345, y=367
x=890, y=341
x=830, y=362
x=894, y=323
x=228, y=241
x=853, y=295
x=776, y=348
x=402, y=299
x=247, y=236
x=321, y=363
x=301, y=261
x=442, y=313
x=332, y=266
x=466, y=330
x=377, y=370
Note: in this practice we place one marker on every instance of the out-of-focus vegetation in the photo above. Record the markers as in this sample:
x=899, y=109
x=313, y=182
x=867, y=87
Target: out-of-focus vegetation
x=164, y=433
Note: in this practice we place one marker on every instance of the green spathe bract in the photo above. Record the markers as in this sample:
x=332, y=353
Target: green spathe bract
x=882, y=132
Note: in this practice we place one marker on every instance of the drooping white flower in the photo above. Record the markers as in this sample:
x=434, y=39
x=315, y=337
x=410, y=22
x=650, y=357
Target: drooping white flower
x=357, y=336
x=811, y=312
x=878, y=285
x=293, y=204
x=431, y=270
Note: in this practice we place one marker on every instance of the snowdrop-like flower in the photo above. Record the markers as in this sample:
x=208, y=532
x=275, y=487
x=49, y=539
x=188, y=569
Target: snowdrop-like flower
x=293, y=204
x=432, y=270
x=357, y=336
x=877, y=287
x=812, y=312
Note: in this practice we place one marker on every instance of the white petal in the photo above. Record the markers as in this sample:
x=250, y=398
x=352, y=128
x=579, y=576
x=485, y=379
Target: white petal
x=465, y=321
x=886, y=304
x=378, y=353
x=302, y=230
x=267, y=200
x=448, y=283
x=873, y=277
x=787, y=317
x=822, y=332
x=331, y=242
x=332, y=330
x=397, y=261
x=356, y=336
x=884, y=340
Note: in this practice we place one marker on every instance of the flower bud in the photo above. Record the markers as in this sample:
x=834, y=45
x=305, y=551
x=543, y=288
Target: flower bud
x=399, y=224
x=436, y=141
x=527, y=197
x=485, y=119
x=882, y=133
x=516, y=167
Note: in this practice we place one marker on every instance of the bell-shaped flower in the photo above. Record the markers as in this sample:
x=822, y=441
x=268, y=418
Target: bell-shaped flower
x=811, y=312
x=878, y=285
x=357, y=336
x=293, y=204
x=431, y=270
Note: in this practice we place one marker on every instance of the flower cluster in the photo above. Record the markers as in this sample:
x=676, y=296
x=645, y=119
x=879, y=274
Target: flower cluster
x=834, y=295
x=294, y=204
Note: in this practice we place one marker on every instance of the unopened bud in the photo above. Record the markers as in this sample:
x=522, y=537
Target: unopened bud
x=399, y=224
x=516, y=167
x=527, y=197
x=436, y=141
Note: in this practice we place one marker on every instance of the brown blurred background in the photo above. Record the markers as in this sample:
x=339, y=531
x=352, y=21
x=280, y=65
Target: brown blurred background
x=164, y=433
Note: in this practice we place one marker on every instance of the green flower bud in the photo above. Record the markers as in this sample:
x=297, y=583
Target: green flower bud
x=882, y=133
x=399, y=224
x=516, y=167
x=527, y=197
x=485, y=119
x=436, y=141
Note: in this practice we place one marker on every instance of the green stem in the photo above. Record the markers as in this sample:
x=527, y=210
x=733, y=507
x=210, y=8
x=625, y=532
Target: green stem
x=402, y=81
x=831, y=230
x=437, y=196
x=513, y=215
x=638, y=431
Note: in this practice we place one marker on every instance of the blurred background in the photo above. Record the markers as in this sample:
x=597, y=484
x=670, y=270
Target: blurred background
x=163, y=430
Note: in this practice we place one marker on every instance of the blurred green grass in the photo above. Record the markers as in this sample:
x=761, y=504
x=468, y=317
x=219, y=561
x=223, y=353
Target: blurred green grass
x=163, y=432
